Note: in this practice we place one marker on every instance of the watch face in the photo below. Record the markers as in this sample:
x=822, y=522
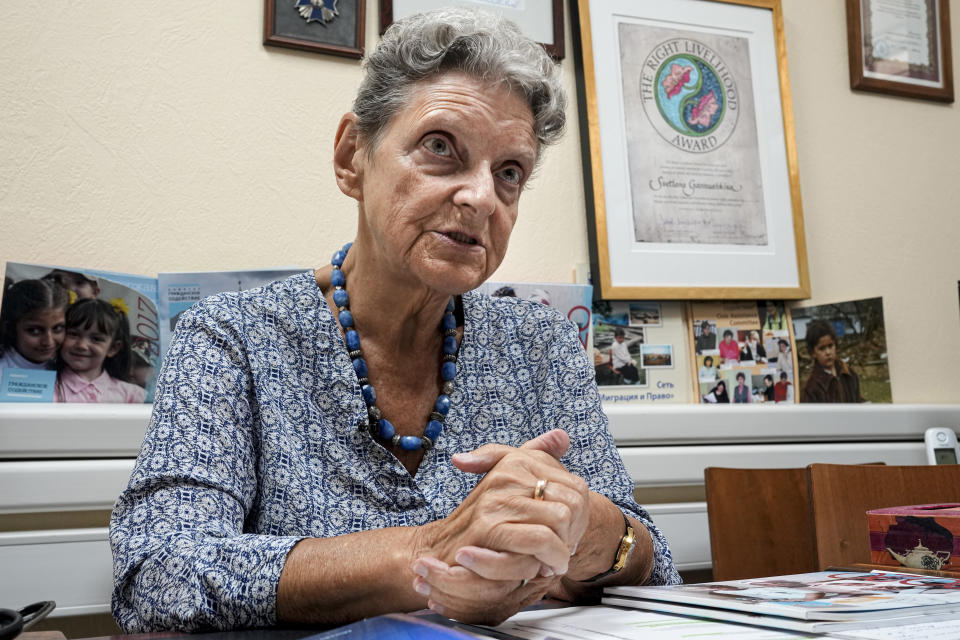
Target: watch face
x=627, y=543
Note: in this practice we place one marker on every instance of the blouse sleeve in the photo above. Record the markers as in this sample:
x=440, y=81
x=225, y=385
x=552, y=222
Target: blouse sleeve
x=181, y=558
x=593, y=454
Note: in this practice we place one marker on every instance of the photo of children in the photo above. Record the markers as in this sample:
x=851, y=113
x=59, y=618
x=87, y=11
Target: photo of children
x=844, y=358
x=751, y=352
x=77, y=336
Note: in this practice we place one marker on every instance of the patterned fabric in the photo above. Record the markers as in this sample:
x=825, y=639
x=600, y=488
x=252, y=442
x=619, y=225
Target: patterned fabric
x=255, y=442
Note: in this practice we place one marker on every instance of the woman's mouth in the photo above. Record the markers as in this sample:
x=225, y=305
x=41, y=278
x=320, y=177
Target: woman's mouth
x=460, y=237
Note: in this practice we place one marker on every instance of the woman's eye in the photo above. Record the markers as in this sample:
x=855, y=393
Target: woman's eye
x=511, y=175
x=438, y=146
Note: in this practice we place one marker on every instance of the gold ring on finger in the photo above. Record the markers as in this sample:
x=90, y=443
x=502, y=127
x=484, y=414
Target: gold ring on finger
x=539, y=489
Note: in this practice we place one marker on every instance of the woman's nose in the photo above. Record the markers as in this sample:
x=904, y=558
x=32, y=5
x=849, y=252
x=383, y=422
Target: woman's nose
x=478, y=192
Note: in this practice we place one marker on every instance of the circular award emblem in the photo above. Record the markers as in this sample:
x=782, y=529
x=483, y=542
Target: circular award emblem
x=695, y=96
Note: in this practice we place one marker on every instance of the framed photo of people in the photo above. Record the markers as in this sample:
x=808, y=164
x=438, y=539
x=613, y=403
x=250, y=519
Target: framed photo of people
x=320, y=26
x=541, y=20
x=901, y=47
x=690, y=163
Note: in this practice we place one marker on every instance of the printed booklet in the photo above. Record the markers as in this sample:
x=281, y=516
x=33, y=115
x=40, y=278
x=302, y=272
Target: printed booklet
x=639, y=351
x=37, y=300
x=181, y=290
x=743, y=352
x=572, y=300
x=824, y=601
x=36, y=306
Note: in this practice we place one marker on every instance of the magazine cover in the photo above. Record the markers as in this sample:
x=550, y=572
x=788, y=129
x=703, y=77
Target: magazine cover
x=743, y=352
x=822, y=595
x=639, y=351
x=572, y=300
x=77, y=335
x=843, y=354
x=181, y=290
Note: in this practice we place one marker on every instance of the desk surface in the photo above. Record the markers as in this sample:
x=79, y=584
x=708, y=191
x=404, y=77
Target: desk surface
x=243, y=634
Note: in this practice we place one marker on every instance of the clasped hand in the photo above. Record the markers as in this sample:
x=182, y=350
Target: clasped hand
x=502, y=548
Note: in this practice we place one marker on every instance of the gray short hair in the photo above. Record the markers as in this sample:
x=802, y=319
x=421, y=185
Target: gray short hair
x=477, y=43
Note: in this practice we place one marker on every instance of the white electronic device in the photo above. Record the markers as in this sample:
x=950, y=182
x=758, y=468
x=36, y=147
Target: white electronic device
x=941, y=446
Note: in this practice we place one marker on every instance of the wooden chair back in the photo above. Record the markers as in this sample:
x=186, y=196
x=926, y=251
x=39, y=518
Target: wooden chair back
x=841, y=494
x=760, y=522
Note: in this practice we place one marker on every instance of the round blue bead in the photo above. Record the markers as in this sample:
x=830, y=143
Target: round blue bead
x=340, y=298
x=443, y=404
x=338, y=258
x=346, y=247
x=352, y=339
x=369, y=394
x=410, y=443
x=451, y=304
x=346, y=318
x=434, y=427
x=360, y=366
x=386, y=429
x=448, y=371
x=450, y=345
x=449, y=322
x=337, y=278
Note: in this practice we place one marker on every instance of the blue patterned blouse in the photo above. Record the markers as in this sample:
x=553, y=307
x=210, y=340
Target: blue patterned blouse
x=255, y=442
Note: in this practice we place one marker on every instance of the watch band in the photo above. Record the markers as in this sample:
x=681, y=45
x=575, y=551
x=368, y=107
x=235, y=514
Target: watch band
x=627, y=542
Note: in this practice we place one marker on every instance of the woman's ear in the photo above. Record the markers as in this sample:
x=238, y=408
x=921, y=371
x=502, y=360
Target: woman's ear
x=348, y=157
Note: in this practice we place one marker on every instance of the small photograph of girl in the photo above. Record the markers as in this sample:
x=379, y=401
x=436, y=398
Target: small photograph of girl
x=95, y=357
x=32, y=324
x=842, y=352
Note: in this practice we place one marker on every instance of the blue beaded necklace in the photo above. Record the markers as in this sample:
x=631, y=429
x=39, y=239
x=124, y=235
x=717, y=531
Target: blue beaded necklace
x=380, y=426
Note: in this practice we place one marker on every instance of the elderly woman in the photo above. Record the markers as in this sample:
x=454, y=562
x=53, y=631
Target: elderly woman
x=377, y=436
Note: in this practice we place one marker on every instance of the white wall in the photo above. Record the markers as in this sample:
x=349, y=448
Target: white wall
x=168, y=138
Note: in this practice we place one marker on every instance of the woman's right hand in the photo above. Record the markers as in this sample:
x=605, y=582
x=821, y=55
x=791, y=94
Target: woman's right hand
x=501, y=549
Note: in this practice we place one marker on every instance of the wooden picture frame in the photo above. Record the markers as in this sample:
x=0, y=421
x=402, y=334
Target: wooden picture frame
x=542, y=20
x=701, y=202
x=336, y=27
x=905, y=54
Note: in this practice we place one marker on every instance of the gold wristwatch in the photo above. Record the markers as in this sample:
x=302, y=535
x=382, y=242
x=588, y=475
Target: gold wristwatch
x=627, y=543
